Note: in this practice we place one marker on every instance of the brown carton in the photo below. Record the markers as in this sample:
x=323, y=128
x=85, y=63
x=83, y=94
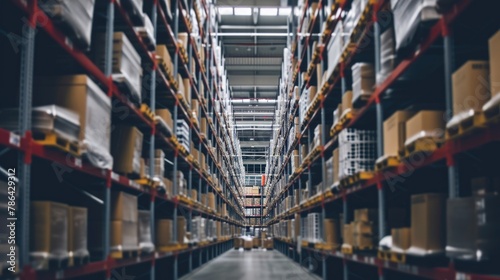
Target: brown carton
x=395, y=132
x=401, y=238
x=211, y=200
x=77, y=231
x=162, y=51
x=166, y=116
x=346, y=101
x=364, y=228
x=181, y=229
x=348, y=235
x=49, y=228
x=494, y=51
x=187, y=90
x=194, y=194
x=331, y=231
x=471, y=86
x=163, y=232
x=428, y=226
x=312, y=93
x=126, y=149
x=335, y=165
x=366, y=215
x=123, y=207
x=429, y=121
x=124, y=235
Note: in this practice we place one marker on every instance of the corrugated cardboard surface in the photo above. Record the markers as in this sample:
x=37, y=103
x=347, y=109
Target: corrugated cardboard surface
x=166, y=116
x=181, y=229
x=332, y=231
x=428, y=229
x=395, y=132
x=124, y=235
x=401, y=237
x=126, y=149
x=163, y=232
x=366, y=215
x=49, y=228
x=425, y=121
x=77, y=229
x=347, y=100
x=471, y=86
x=494, y=51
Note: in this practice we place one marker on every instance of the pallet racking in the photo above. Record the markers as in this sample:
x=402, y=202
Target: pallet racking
x=441, y=38
x=160, y=94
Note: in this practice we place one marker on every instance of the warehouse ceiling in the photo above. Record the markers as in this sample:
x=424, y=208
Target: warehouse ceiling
x=253, y=35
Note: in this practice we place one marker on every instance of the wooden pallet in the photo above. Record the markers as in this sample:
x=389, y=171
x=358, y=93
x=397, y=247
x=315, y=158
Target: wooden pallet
x=55, y=141
x=398, y=257
x=384, y=255
x=422, y=145
x=386, y=162
x=356, y=178
x=147, y=113
x=467, y=125
x=172, y=248
x=170, y=77
x=304, y=243
x=125, y=254
x=346, y=249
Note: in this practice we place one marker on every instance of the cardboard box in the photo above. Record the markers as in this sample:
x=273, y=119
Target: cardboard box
x=348, y=235
x=313, y=90
x=428, y=230
x=336, y=165
x=123, y=207
x=362, y=241
x=81, y=95
x=461, y=227
x=187, y=90
x=401, y=238
x=166, y=116
x=395, y=132
x=471, y=86
x=181, y=229
x=211, y=200
x=332, y=232
x=203, y=125
x=432, y=122
x=346, y=101
x=366, y=215
x=124, y=236
x=163, y=232
x=494, y=51
x=49, y=230
x=364, y=228
x=162, y=51
x=182, y=37
x=77, y=231
x=247, y=244
x=256, y=242
x=195, y=107
x=145, y=238
x=126, y=149
x=194, y=194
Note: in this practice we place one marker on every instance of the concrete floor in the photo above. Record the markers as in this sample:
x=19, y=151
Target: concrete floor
x=251, y=265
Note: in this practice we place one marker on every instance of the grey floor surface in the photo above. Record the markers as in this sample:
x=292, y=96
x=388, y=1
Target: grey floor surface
x=251, y=265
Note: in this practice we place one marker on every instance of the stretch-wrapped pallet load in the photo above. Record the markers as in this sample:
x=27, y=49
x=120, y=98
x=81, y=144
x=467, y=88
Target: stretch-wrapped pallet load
x=387, y=55
x=80, y=94
x=75, y=15
x=363, y=81
x=126, y=68
x=49, y=233
x=335, y=48
x=126, y=149
x=357, y=151
x=182, y=129
x=395, y=132
x=77, y=234
x=353, y=16
x=409, y=16
x=46, y=120
x=144, y=232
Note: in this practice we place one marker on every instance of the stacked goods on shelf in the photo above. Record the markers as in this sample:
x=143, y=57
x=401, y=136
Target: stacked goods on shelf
x=428, y=226
x=182, y=134
x=353, y=16
x=477, y=240
x=331, y=233
x=395, y=133
x=317, y=140
x=408, y=18
x=77, y=235
x=426, y=125
x=47, y=121
x=126, y=69
x=356, y=151
x=81, y=95
x=146, y=31
x=335, y=48
x=363, y=77
x=49, y=231
x=144, y=232
x=165, y=60
x=134, y=8
x=387, y=55
x=362, y=233
x=126, y=150
x=470, y=90
x=124, y=223
x=76, y=16
x=313, y=233
x=494, y=46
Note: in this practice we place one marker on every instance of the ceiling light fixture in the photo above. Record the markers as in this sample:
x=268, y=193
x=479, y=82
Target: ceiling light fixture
x=242, y=11
x=268, y=11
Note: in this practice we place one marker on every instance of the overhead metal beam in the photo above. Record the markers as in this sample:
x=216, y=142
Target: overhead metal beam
x=251, y=81
x=258, y=27
x=248, y=34
x=256, y=144
x=254, y=161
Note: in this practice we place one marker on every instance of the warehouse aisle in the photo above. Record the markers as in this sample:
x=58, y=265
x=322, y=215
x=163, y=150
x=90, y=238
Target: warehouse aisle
x=252, y=265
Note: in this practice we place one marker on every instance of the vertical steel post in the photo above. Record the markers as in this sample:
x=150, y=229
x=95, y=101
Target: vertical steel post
x=152, y=105
x=449, y=67
x=24, y=168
